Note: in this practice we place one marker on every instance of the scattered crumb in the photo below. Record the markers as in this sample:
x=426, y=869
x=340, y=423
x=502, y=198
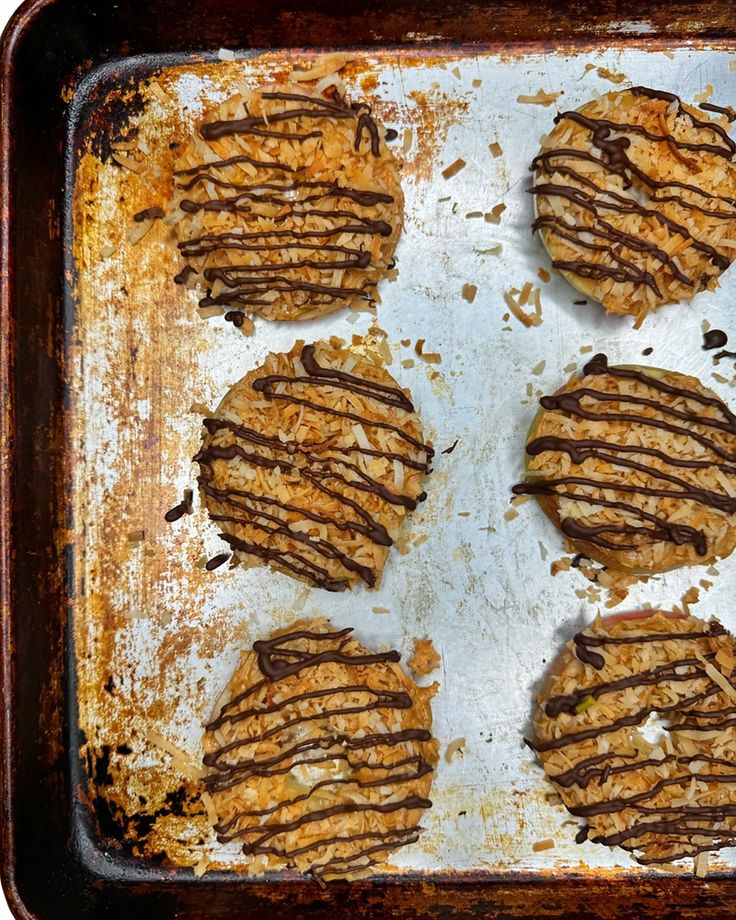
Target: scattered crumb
x=705, y=326
x=492, y=251
x=456, y=73
x=136, y=536
x=541, y=98
x=408, y=362
x=691, y=596
x=463, y=514
x=424, y=658
x=225, y=54
x=406, y=342
x=381, y=610
x=449, y=450
x=208, y=312
x=431, y=357
x=543, y=551
x=705, y=95
x=569, y=368
x=647, y=351
x=453, y=747
x=494, y=215
x=585, y=349
x=539, y=368
x=719, y=378
x=732, y=65
x=544, y=275
x=516, y=299
x=495, y=149
x=511, y=514
x=705, y=584
x=469, y=292
x=669, y=54
x=419, y=347
x=605, y=74
x=422, y=538
x=477, y=83
x=560, y=565
x=453, y=169
x=473, y=215
x=546, y=844
x=408, y=139
x=712, y=570
x=580, y=303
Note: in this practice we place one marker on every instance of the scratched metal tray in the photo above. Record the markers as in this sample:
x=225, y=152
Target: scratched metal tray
x=115, y=639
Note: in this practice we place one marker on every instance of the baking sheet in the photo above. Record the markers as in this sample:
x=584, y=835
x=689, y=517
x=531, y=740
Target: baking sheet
x=157, y=637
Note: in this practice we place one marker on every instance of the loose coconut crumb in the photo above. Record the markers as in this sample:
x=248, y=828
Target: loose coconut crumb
x=425, y=658
x=453, y=747
x=494, y=215
x=516, y=299
x=539, y=368
x=605, y=74
x=453, y=169
x=225, y=54
x=477, y=83
x=546, y=844
x=541, y=98
x=469, y=292
x=544, y=275
x=381, y=610
x=705, y=95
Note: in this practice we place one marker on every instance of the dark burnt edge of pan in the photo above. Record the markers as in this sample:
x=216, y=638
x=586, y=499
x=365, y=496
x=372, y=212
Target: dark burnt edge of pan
x=470, y=892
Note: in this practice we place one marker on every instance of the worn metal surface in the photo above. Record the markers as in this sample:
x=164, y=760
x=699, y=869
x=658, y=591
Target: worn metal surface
x=157, y=637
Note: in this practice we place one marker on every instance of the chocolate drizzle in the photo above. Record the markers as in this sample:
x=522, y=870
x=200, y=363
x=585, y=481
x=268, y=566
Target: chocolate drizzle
x=619, y=455
x=237, y=761
x=699, y=708
x=333, y=471
x=310, y=212
x=627, y=253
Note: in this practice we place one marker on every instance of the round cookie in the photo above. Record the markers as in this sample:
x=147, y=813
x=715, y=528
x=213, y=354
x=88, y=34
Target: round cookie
x=320, y=755
x=311, y=464
x=636, y=199
x=662, y=800
x=287, y=204
x=637, y=467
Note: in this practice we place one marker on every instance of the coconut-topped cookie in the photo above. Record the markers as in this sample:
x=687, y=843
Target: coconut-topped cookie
x=662, y=799
x=312, y=462
x=287, y=204
x=636, y=199
x=637, y=467
x=320, y=753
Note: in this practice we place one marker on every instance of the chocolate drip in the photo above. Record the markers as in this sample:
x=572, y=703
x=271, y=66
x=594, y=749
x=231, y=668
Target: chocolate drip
x=309, y=462
x=726, y=110
x=278, y=659
x=584, y=642
x=246, y=285
x=216, y=561
x=614, y=455
x=714, y=338
x=665, y=672
x=615, y=160
x=149, y=214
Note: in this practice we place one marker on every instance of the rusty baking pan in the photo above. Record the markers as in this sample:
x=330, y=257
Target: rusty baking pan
x=114, y=644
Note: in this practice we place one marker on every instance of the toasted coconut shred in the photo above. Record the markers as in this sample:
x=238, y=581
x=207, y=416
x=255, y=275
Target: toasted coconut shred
x=311, y=464
x=660, y=801
x=321, y=757
x=635, y=466
x=635, y=199
x=286, y=203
